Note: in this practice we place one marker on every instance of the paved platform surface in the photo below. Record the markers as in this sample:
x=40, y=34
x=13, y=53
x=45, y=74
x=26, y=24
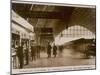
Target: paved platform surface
x=68, y=58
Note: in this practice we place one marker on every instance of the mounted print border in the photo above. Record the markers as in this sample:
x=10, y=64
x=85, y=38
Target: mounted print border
x=52, y=37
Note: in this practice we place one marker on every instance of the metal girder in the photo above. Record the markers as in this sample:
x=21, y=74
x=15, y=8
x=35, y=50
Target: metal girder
x=45, y=14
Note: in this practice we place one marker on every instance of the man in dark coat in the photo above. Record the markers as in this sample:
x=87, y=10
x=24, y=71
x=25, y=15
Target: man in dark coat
x=26, y=56
x=38, y=51
x=49, y=50
x=60, y=50
x=33, y=52
x=20, y=55
x=54, y=50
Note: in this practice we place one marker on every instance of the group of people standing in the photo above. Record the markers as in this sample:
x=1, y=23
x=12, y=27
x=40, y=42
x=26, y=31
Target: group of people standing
x=54, y=48
x=35, y=52
x=24, y=55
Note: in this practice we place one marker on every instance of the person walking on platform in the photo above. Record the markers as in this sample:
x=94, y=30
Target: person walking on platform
x=49, y=50
x=33, y=52
x=26, y=56
x=20, y=55
x=60, y=50
x=38, y=51
x=54, y=50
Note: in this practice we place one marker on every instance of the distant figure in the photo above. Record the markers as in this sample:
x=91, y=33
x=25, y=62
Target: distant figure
x=33, y=52
x=20, y=55
x=60, y=50
x=14, y=56
x=38, y=51
x=54, y=50
x=27, y=56
x=49, y=50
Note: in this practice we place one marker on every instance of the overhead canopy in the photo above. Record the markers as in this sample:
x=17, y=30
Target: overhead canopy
x=58, y=18
x=42, y=11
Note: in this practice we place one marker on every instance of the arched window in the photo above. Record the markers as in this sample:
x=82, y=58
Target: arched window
x=73, y=33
